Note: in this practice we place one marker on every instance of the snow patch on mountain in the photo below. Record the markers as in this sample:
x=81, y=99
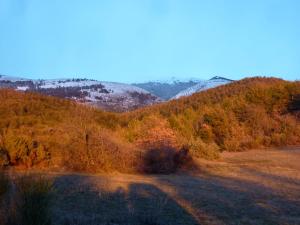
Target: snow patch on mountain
x=202, y=86
x=11, y=78
x=112, y=87
x=112, y=96
x=24, y=88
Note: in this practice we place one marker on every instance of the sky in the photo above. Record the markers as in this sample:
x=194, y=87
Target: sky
x=141, y=40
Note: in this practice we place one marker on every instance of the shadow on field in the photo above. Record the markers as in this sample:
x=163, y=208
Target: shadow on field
x=85, y=200
x=272, y=177
x=174, y=200
x=223, y=200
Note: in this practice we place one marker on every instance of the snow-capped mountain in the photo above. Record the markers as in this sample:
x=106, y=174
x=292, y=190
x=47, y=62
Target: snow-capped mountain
x=203, y=85
x=110, y=95
x=166, y=89
x=107, y=95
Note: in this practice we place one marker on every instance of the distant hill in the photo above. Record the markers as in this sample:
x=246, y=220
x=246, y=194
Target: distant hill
x=244, y=114
x=202, y=85
x=112, y=96
x=106, y=95
x=176, y=88
x=166, y=89
x=49, y=132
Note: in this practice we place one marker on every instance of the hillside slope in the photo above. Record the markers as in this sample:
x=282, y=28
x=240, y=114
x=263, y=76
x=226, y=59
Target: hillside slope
x=48, y=132
x=202, y=86
x=244, y=114
x=177, y=88
x=167, y=89
x=110, y=96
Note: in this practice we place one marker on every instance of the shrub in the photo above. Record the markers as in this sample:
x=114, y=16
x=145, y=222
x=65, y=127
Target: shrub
x=24, y=150
x=200, y=149
x=33, y=204
x=4, y=158
x=165, y=160
x=159, y=161
x=98, y=150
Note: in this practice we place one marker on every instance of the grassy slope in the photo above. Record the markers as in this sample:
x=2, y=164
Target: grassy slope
x=46, y=131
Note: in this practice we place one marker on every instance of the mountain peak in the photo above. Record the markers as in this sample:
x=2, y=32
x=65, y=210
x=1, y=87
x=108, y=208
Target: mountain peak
x=219, y=78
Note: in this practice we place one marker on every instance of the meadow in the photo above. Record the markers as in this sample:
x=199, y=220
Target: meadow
x=253, y=187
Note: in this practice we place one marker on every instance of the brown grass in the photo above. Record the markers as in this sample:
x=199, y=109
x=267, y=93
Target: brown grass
x=254, y=187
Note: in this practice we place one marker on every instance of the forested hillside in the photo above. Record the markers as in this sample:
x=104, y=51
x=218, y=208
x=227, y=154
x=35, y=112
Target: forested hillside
x=48, y=132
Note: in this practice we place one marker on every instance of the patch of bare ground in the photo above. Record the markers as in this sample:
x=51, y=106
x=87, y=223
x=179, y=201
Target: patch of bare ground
x=254, y=187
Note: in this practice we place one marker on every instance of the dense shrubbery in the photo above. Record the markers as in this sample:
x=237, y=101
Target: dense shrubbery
x=250, y=113
x=47, y=132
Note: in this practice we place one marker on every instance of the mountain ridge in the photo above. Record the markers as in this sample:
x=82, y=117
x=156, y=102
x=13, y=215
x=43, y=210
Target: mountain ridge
x=202, y=86
x=111, y=96
x=169, y=89
x=114, y=96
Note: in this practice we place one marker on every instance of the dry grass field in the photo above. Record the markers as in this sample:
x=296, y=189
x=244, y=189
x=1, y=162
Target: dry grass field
x=253, y=187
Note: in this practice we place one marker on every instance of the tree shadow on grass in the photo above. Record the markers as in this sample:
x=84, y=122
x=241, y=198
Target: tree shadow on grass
x=177, y=199
x=224, y=200
x=89, y=200
x=272, y=177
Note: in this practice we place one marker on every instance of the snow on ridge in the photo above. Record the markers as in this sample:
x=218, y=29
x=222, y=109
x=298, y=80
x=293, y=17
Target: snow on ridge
x=121, y=87
x=66, y=83
x=114, y=87
x=96, y=89
x=12, y=78
x=202, y=86
x=112, y=96
x=23, y=88
x=174, y=80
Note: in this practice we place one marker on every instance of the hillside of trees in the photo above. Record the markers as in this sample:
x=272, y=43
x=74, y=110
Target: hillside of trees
x=47, y=132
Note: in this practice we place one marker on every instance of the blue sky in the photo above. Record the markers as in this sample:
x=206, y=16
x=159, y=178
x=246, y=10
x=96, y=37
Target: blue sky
x=139, y=40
